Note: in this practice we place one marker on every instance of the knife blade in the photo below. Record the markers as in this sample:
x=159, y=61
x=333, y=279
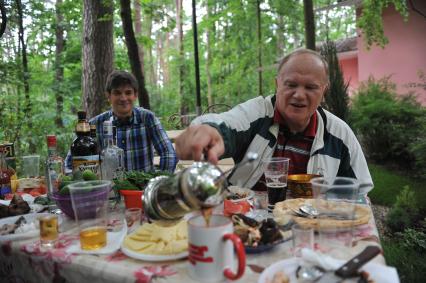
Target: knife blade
x=350, y=268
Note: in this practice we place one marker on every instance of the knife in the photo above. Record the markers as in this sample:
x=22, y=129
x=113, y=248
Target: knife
x=350, y=268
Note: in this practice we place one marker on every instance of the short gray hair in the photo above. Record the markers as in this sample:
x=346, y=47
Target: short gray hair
x=299, y=51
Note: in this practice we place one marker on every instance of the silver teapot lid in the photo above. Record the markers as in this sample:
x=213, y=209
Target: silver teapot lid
x=203, y=184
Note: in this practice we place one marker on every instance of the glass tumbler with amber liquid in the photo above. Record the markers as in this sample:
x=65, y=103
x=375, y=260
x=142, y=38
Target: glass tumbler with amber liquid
x=48, y=230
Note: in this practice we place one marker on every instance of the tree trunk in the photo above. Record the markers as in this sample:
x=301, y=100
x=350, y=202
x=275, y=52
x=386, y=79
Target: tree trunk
x=280, y=35
x=183, y=104
x=138, y=32
x=59, y=69
x=25, y=76
x=98, y=53
x=152, y=77
x=259, y=46
x=209, y=56
x=308, y=10
x=132, y=52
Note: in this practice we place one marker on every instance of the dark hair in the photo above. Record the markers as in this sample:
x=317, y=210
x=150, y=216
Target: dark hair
x=120, y=78
x=299, y=51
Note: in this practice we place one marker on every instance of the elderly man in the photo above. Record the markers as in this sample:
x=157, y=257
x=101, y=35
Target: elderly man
x=290, y=123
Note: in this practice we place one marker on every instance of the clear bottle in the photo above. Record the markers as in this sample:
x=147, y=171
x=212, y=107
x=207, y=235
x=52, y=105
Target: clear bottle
x=54, y=165
x=5, y=176
x=112, y=157
x=84, y=149
x=93, y=135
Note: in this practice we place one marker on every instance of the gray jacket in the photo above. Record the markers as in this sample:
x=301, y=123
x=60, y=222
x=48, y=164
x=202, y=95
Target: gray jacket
x=250, y=127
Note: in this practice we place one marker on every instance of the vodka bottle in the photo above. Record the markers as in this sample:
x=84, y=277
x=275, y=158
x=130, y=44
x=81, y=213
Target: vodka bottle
x=54, y=166
x=112, y=157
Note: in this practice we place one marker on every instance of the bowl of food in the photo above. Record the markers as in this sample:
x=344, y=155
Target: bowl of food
x=300, y=185
x=237, y=194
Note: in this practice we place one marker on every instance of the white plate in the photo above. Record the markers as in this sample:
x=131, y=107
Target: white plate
x=150, y=257
x=31, y=217
x=114, y=240
x=242, y=191
x=378, y=272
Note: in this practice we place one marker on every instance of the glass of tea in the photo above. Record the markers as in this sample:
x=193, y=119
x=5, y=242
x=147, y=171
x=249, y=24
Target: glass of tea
x=49, y=231
x=90, y=204
x=276, y=172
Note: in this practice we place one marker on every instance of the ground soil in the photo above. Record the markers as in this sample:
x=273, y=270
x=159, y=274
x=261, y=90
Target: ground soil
x=380, y=212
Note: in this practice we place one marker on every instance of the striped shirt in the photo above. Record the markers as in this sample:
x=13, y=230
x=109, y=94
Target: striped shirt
x=138, y=137
x=296, y=146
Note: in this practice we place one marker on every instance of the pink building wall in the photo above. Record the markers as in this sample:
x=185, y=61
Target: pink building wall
x=349, y=67
x=403, y=56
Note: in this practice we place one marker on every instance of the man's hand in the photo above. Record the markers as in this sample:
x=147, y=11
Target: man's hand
x=198, y=140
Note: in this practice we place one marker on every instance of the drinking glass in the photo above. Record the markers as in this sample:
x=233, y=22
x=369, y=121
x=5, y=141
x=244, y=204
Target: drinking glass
x=303, y=237
x=335, y=201
x=276, y=172
x=90, y=204
x=133, y=218
x=49, y=231
x=31, y=166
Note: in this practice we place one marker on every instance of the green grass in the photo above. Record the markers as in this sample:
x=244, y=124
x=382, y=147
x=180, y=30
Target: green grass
x=388, y=184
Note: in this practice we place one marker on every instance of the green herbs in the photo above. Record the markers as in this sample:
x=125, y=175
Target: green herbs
x=136, y=180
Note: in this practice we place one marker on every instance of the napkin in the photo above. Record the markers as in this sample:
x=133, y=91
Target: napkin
x=114, y=240
x=378, y=272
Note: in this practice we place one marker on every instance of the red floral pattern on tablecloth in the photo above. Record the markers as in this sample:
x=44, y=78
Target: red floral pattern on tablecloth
x=117, y=256
x=146, y=273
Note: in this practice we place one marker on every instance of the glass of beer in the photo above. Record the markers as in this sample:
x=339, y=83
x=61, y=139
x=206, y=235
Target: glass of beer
x=49, y=231
x=90, y=204
x=276, y=172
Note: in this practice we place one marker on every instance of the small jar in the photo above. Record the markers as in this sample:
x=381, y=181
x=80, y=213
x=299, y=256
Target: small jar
x=202, y=185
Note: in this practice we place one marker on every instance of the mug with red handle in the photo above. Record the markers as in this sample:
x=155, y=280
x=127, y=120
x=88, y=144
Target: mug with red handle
x=211, y=250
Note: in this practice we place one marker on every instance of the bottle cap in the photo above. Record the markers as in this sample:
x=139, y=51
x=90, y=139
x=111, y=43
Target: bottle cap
x=51, y=140
x=81, y=115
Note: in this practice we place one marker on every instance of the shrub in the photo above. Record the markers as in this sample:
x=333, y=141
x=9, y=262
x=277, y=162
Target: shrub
x=389, y=127
x=337, y=98
x=405, y=211
x=413, y=239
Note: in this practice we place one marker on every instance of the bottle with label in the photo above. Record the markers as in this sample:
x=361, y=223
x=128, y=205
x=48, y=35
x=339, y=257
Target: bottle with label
x=54, y=166
x=5, y=176
x=84, y=149
x=93, y=135
x=112, y=157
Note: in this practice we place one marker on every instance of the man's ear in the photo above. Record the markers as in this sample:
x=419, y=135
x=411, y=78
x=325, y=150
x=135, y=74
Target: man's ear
x=108, y=95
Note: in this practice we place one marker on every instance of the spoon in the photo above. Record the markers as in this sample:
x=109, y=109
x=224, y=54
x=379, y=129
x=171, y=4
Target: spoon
x=249, y=158
x=309, y=210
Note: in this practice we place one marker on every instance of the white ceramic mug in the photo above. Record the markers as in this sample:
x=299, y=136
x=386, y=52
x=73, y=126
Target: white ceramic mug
x=211, y=249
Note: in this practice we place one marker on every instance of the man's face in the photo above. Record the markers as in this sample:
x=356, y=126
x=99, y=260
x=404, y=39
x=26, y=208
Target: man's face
x=301, y=84
x=122, y=99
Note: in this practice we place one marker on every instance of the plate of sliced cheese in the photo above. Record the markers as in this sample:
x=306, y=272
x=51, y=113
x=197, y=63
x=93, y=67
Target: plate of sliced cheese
x=157, y=241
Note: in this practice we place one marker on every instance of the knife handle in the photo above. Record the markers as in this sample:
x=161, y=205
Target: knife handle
x=350, y=268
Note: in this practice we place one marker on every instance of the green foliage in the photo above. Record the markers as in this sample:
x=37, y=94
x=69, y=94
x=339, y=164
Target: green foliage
x=337, y=98
x=388, y=125
x=405, y=212
x=371, y=20
x=413, y=239
x=408, y=261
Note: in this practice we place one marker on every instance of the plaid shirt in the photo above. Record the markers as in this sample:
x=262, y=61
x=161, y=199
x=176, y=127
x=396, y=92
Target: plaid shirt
x=138, y=137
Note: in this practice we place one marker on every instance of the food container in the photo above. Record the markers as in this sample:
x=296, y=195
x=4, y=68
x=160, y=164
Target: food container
x=63, y=201
x=132, y=198
x=300, y=186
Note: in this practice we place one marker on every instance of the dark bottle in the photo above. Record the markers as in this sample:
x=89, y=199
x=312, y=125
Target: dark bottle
x=84, y=149
x=6, y=174
x=93, y=135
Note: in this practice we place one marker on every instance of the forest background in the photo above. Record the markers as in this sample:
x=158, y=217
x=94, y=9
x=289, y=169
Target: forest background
x=55, y=55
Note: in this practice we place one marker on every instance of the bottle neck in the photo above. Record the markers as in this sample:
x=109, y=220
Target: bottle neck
x=108, y=141
x=51, y=151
